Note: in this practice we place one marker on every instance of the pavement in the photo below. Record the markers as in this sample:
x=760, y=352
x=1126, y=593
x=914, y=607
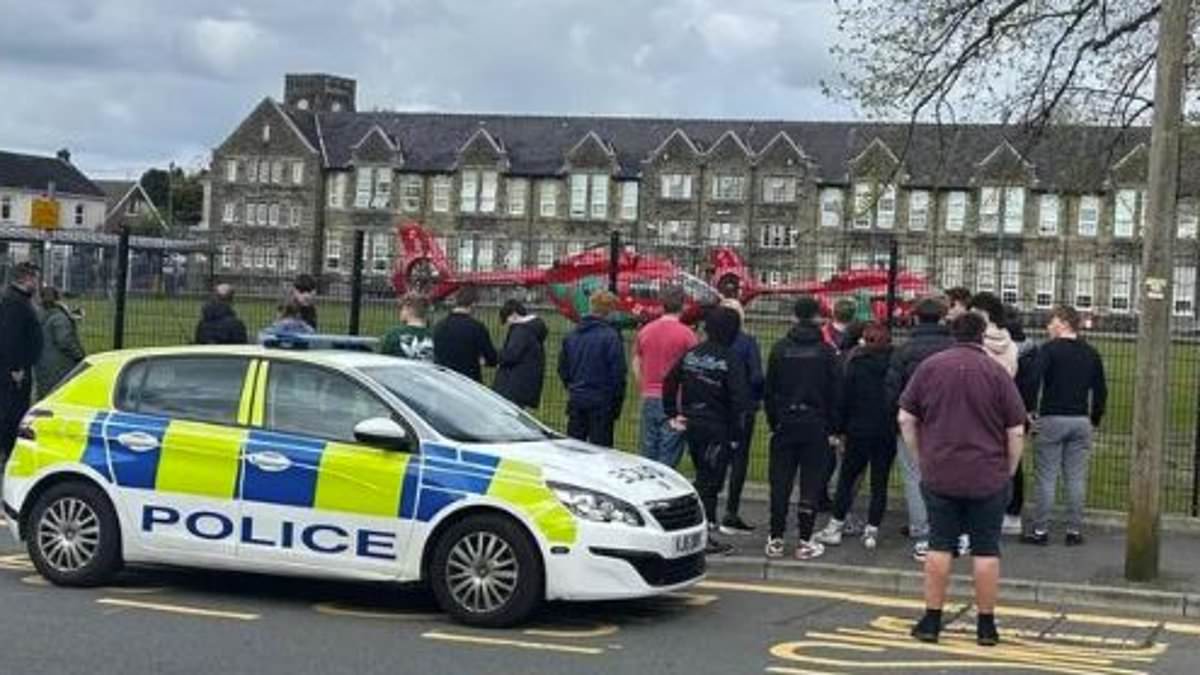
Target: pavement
x=1089, y=575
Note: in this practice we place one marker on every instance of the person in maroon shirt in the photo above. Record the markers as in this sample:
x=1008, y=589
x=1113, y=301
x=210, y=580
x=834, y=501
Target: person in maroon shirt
x=963, y=418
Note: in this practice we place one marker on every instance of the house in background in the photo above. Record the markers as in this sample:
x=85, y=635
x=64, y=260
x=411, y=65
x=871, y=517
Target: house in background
x=129, y=206
x=23, y=178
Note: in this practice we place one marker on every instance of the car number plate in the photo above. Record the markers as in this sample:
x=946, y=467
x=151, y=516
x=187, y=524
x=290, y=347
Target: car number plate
x=689, y=543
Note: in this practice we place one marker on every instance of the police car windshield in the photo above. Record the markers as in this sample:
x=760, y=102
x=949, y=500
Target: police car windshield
x=457, y=408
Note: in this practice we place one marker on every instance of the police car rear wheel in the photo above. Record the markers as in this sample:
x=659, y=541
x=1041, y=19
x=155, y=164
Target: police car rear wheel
x=486, y=572
x=73, y=536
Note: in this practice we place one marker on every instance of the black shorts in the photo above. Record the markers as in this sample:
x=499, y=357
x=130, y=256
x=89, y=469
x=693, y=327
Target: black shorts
x=979, y=517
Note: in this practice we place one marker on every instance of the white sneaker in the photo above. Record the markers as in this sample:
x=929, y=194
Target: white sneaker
x=964, y=545
x=774, y=548
x=1012, y=525
x=807, y=550
x=832, y=534
x=870, y=537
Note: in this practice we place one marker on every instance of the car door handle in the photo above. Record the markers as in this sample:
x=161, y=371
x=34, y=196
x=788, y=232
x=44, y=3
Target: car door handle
x=269, y=461
x=138, y=441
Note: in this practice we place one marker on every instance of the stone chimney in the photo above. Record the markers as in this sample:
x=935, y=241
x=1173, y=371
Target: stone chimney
x=64, y=155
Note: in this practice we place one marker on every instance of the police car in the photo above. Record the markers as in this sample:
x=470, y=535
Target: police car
x=337, y=463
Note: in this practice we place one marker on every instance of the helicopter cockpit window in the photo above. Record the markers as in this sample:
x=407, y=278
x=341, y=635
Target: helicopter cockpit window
x=698, y=290
x=645, y=289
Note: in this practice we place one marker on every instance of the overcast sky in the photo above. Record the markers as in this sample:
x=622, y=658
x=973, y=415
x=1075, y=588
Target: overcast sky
x=130, y=83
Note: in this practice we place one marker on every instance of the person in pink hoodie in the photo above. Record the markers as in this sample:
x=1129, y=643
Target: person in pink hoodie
x=997, y=341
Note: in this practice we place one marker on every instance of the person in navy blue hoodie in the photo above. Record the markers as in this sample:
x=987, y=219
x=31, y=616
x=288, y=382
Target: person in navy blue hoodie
x=592, y=367
x=745, y=351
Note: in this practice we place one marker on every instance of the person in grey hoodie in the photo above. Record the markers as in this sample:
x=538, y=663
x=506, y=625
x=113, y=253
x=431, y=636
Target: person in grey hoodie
x=997, y=341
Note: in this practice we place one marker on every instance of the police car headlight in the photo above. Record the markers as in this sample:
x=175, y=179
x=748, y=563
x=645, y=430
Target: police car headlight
x=596, y=506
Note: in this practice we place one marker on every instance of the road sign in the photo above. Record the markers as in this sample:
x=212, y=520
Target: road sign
x=44, y=214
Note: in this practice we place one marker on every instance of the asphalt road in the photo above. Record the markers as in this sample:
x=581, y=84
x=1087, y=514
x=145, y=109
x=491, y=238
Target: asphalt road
x=182, y=622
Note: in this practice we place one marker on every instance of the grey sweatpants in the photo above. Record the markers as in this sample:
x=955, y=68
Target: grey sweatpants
x=1063, y=444
x=918, y=516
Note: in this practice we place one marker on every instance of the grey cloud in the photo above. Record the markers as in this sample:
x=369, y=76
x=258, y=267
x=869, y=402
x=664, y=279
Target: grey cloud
x=128, y=82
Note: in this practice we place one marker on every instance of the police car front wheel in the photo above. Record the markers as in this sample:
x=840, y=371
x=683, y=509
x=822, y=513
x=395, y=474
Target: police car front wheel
x=73, y=535
x=486, y=572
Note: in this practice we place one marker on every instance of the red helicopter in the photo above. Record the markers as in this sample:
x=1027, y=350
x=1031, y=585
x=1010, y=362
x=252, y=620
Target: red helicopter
x=570, y=282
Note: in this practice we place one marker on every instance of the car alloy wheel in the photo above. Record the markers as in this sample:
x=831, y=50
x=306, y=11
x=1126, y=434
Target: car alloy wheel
x=68, y=534
x=482, y=572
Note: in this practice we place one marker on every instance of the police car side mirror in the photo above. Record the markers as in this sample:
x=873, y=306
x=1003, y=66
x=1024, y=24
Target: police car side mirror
x=382, y=432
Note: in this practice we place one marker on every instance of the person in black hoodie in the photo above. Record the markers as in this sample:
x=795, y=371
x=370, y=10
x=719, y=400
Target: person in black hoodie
x=219, y=324
x=20, y=347
x=928, y=337
x=869, y=424
x=801, y=398
x=522, y=359
x=461, y=342
x=591, y=365
x=706, y=395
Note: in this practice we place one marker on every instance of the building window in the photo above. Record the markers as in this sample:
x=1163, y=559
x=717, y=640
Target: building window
x=517, y=193
x=677, y=233
x=381, y=252
x=251, y=171
x=383, y=189
x=985, y=275
x=917, y=263
x=860, y=260
x=1047, y=273
x=274, y=215
x=486, y=258
x=778, y=190
x=1048, y=216
x=260, y=257
x=277, y=172
x=956, y=212
x=489, y=180
x=1014, y=210
x=1085, y=285
x=227, y=256
x=548, y=194
x=989, y=209
x=862, y=206
x=292, y=259
x=1010, y=281
x=1089, y=215
x=545, y=255
x=266, y=133
x=952, y=272
x=294, y=216
x=1185, y=291
x=1121, y=288
x=579, y=188
x=271, y=255
x=918, y=210
x=441, y=194
x=885, y=210
x=1143, y=210
x=247, y=257
x=778, y=236
x=831, y=208
x=514, y=255
x=6, y=209
x=468, y=197
x=362, y=187
x=726, y=234
x=79, y=214
x=466, y=254
x=231, y=170
x=336, y=187
x=728, y=188
x=297, y=173
x=1124, y=213
x=410, y=194
x=263, y=211
x=827, y=265
x=599, y=196
x=230, y=213
x=133, y=206
x=629, y=200
x=574, y=248
x=1187, y=218
x=676, y=186
x=333, y=254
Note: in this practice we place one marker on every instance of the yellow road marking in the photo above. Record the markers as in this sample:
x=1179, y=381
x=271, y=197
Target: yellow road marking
x=798, y=671
x=693, y=599
x=919, y=605
x=35, y=580
x=600, y=630
x=1007, y=649
x=337, y=609
x=18, y=561
x=1132, y=650
x=178, y=609
x=518, y=644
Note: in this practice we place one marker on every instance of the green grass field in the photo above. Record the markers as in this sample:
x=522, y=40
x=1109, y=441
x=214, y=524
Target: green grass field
x=158, y=321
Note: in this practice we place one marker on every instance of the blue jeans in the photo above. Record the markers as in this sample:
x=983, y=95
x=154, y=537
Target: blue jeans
x=660, y=442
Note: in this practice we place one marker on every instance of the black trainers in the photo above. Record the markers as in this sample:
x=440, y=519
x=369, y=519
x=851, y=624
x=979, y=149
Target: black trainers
x=1036, y=537
x=1075, y=539
x=715, y=547
x=929, y=628
x=986, y=634
x=734, y=525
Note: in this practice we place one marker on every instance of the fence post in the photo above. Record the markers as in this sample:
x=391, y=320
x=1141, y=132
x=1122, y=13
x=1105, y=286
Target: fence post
x=893, y=274
x=614, y=259
x=122, y=283
x=356, y=279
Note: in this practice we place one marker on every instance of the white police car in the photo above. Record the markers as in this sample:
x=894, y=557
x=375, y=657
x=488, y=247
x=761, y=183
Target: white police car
x=338, y=464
